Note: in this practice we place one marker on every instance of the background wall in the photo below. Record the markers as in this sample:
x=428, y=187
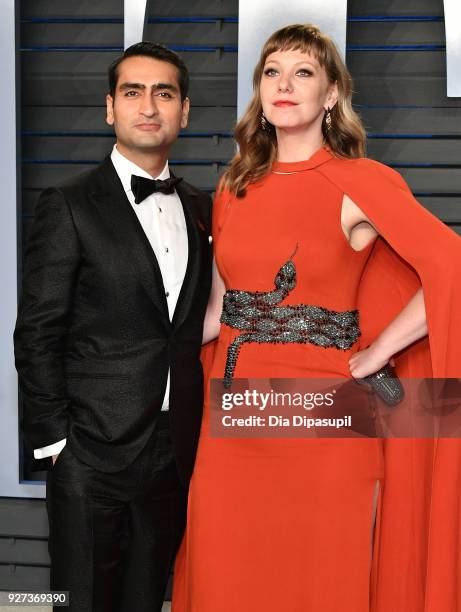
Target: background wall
x=395, y=51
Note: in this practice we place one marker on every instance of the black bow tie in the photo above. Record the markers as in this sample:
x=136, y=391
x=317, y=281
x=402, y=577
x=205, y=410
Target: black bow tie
x=143, y=187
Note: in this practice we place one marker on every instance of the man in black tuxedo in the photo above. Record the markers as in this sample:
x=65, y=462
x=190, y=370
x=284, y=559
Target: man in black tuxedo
x=116, y=281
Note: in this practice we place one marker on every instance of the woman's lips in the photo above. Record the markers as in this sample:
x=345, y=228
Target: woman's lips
x=283, y=103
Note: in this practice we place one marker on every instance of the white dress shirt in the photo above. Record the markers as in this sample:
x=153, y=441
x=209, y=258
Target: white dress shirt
x=162, y=219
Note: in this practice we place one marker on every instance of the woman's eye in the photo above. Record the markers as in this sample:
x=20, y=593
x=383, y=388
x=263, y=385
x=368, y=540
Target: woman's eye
x=304, y=72
x=270, y=71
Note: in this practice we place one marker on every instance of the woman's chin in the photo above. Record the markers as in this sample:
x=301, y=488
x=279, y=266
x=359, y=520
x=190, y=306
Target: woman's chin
x=293, y=128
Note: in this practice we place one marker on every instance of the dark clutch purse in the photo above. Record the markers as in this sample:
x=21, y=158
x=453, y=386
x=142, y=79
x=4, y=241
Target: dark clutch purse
x=385, y=384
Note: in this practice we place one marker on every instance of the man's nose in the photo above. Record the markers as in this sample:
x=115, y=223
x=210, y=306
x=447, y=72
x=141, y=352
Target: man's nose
x=148, y=106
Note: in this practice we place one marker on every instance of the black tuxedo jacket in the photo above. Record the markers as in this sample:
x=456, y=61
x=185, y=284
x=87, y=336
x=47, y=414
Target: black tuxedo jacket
x=93, y=339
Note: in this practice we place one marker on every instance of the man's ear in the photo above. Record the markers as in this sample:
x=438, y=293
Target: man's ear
x=109, y=110
x=185, y=112
x=332, y=95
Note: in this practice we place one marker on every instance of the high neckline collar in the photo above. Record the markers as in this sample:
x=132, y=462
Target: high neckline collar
x=321, y=156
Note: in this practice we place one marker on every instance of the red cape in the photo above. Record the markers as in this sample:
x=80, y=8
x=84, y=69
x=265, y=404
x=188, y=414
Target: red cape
x=418, y=561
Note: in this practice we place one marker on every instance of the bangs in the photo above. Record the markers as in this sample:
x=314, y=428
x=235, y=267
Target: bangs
x=306, y=39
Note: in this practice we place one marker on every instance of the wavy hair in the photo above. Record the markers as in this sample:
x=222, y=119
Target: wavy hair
x=257, y=148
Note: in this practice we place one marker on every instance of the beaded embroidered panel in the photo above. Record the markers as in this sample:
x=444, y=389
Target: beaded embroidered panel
x=264, y=321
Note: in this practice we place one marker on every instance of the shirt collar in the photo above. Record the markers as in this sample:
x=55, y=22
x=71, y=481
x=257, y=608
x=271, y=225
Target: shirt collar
x=125, y=168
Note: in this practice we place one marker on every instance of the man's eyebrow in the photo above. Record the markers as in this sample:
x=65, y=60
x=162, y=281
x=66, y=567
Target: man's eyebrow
x=169, y=86
x=132, y=86
x=154, y=87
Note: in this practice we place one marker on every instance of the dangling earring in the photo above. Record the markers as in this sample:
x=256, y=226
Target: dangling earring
x=264, y=123
x=328, y=121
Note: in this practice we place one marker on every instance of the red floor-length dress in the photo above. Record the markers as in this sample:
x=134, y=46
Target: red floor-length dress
x=287, y=524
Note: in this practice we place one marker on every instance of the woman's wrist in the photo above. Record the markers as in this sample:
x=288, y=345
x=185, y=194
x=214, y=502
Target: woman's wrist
x=382, y=351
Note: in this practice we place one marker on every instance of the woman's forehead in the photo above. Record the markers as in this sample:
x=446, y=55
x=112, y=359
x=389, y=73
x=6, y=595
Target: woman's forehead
x=293, y=56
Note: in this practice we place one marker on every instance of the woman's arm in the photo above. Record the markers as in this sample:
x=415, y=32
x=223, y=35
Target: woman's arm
x=212, y=325
x=407, y=327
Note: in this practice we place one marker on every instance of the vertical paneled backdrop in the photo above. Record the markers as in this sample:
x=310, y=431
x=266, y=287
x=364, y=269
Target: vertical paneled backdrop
x=395, y=51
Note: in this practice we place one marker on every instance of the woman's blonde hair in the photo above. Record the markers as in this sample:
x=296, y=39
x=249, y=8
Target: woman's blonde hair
x=258, y=147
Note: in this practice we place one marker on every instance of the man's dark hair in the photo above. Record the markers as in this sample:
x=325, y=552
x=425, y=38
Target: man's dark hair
x=158, y=52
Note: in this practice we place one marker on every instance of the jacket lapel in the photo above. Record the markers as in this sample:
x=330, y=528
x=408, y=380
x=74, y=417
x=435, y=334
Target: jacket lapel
x=113, y=205
x=189, y=203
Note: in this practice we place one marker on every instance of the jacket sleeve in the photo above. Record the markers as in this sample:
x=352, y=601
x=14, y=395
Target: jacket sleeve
x=50, y=270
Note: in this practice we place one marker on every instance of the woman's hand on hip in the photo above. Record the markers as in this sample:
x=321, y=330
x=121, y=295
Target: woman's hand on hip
x=368, y=361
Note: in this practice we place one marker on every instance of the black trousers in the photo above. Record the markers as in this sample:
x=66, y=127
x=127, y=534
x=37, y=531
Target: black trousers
x=114, y=537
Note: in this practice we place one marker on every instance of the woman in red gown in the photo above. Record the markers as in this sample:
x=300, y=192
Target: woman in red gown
x=324, y=525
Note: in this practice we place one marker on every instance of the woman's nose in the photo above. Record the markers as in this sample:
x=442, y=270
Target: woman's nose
x=284, y=83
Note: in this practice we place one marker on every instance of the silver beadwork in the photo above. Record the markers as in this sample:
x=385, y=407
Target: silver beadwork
x=263, y=321
x=386, y=384
x=328, y=120
x=265, y=125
